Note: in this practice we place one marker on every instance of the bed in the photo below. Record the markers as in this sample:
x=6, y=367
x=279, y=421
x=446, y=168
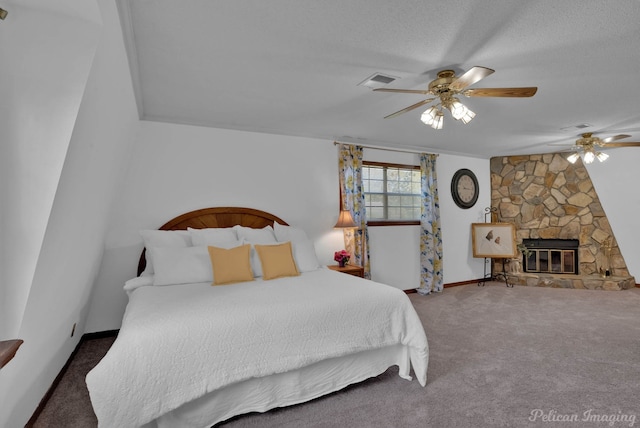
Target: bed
x=191, y=354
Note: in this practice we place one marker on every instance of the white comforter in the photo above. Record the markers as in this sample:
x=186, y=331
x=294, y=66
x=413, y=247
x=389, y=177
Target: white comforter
x=178, y=343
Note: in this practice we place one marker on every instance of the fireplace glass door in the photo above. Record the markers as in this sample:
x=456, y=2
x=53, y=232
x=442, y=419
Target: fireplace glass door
x=551, y=261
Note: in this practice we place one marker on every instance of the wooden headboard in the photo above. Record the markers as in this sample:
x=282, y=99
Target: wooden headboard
x=217, y=217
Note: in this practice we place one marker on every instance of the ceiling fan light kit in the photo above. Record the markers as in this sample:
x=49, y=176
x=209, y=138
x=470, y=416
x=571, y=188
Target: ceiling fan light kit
x=433, y=117
x=457, y=109
x=588, y=157
x=587, y=144
x=445, y=88
x=573, y=157
x=467, y=116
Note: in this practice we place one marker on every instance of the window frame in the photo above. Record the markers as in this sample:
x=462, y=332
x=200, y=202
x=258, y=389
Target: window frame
x=391, y=222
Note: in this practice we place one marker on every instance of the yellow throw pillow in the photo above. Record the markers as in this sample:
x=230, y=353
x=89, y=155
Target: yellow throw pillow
x=277, y=260
x=231, y=265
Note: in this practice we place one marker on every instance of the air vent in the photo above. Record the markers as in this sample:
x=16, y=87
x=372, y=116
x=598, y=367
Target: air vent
x=576, y=127
x=377, y=80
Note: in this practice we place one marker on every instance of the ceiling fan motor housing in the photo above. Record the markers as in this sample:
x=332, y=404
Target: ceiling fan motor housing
x=441, y=84
x=587, y=141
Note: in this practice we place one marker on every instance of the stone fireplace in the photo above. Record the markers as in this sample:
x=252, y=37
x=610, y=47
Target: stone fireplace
x=548, y=198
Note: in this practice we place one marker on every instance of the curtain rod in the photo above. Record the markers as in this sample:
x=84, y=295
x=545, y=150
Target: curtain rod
x=388, y=149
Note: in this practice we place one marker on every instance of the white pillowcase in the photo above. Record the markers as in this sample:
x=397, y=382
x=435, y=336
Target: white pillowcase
x=288, y=233
x=162, y=238
x=304, y=253
x=187, y=265
x=137, y=282
x=252, y=236
x=256, y=236
x=212, y=236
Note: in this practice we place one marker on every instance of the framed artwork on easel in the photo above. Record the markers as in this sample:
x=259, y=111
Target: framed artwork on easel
x=494, y=240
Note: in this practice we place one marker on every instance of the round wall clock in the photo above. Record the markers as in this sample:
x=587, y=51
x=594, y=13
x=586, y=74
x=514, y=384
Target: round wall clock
x=464, y=188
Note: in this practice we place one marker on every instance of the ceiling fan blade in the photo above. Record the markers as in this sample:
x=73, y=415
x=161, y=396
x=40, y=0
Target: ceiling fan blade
x=628, y=144
x=615, y=137
x=501, y=92
x=561, y=144
x=405, y=91
x=411, y=107
x=471, y=76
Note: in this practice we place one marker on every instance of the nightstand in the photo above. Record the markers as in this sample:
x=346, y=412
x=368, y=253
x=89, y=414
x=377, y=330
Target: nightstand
x=354, y=270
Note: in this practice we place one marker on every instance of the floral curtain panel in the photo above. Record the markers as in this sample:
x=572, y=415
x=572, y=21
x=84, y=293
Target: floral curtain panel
x=350, y=172
x=431, y=278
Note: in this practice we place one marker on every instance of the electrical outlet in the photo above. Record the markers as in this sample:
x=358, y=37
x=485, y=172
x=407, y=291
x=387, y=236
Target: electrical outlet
x=73, y=329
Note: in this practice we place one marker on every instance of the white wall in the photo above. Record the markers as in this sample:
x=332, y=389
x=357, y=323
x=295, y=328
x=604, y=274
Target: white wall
x=394, y=251
x=615, y=181
x=459, y=264
x=73, y=241
x=178, y=168
x=46, y=58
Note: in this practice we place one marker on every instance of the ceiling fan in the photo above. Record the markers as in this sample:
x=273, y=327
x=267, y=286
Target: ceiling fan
x=445, y=90
x=589, y=146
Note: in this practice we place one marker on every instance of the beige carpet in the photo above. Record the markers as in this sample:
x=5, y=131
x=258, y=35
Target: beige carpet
x=499, y=357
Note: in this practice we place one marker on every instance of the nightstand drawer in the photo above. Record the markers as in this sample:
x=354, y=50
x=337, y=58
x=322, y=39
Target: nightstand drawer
x=349, y=269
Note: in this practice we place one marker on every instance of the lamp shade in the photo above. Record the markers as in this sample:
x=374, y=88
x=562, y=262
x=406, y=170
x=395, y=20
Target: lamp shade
x=468, y=116
x=573, y=157
x=429, y=115
x=458, y=110
x=345, y=220
x=438, y=121
x=588, y=156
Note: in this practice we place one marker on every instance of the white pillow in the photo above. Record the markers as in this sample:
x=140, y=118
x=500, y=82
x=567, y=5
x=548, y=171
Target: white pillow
x=262, y=236
x=304, y=253
x=212, y=236
x=256, y=266
x=256, y=236
x=162, y=238
x=187, y=265
x=288, y=233
x=137, y=282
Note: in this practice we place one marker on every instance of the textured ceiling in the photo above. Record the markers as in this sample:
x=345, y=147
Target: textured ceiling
x=293, y=67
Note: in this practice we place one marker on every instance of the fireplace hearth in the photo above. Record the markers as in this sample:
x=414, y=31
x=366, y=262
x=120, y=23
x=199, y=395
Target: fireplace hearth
x=558, y=256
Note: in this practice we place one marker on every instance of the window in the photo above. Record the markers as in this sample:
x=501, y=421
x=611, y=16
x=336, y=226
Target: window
x=392, y=193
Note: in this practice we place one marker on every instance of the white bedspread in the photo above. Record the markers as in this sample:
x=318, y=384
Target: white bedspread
x=178, y=343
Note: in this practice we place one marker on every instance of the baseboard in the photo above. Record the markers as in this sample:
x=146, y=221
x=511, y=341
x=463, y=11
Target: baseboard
x=99, y=335
x=451, y=284
x=56, y=381
x=455, y=284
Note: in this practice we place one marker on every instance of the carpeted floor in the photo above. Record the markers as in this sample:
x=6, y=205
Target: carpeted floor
x=499, y=357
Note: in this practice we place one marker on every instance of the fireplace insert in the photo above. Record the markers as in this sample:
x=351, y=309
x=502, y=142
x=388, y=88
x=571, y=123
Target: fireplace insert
x=551, y=256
